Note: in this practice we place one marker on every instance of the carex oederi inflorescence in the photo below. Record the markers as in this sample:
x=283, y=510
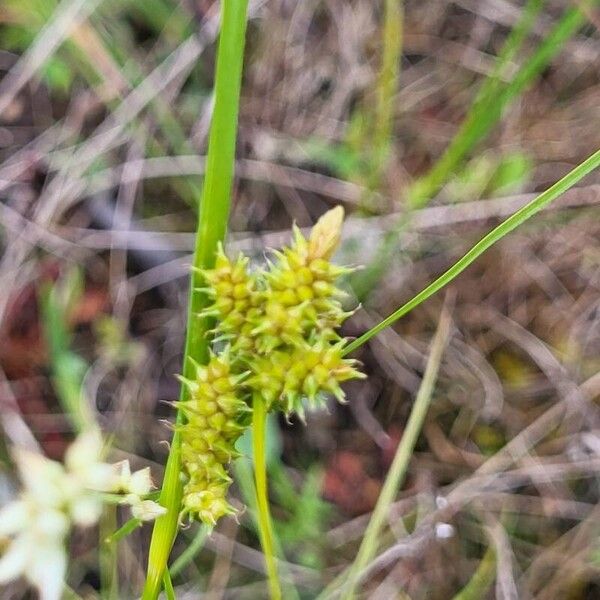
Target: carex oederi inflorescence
x=275, y=336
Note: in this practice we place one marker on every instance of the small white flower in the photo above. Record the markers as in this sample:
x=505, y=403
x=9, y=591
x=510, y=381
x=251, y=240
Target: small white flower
x=84, y=451
x=54, y=497
x=47, y=571
x=123, y=471
x=14, y=560
x=85, y=509
x=37, y=550
x=13, y=517
x=145, y=510
x=140, y=483
x=83, y=460
x=42, y=478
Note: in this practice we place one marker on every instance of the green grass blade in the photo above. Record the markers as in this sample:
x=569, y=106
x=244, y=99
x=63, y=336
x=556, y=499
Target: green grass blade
x=397, y=473
x=389, y=75
x=387, y=85
x=68, y=369
x=168, y=585
x=516, y=219
x=212, y=225
x=494, y=99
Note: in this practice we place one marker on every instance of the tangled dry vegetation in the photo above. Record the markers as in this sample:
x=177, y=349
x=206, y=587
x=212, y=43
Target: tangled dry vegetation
x=96, y=182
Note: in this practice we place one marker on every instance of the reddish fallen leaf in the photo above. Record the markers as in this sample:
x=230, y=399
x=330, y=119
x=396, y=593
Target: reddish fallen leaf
x=90, y=306
x=348, y=485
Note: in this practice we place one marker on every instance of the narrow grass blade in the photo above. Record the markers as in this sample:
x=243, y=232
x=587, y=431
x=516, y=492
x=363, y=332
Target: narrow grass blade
x=68, y=368
x=389, y=75
x=212, y=225
x=387, y=87
x=516, y=219
x=168, y=585
x=397, y=473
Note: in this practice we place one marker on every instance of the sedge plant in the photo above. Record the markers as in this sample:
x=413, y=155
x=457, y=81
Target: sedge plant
x=274, y=347
x=264, y=338
x=259, y=339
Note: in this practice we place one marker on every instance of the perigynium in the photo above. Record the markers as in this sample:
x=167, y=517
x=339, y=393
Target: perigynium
x=276, y=337
x=56, y=497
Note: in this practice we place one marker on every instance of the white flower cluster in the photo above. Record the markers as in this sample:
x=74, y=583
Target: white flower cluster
x=53, y=499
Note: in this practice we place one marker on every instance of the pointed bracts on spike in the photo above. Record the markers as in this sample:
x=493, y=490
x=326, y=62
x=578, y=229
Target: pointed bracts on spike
x=276, y=331
x=215, y=415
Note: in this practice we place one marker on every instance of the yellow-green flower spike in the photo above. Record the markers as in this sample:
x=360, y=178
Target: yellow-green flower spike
x=285, y=379
x=302, y=280
x=280, y=325
x=215, y=419
x=236, y=300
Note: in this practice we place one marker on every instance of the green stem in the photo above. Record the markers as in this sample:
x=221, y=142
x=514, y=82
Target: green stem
x=108, y=557
x=397, y=473
x=516, y=219
x=390, y=71
x=121, y=533
x=168, y=585
x=259, y=421
x=212, y=225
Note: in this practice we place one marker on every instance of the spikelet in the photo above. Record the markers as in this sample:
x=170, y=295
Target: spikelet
x=236, y=300
x=232, y=290
x=285, y=379
x=301, y=283
x=216, y=417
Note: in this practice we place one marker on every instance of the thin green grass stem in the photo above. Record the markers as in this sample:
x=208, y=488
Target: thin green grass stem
x=397, y=473
x=126, y=529
x=244, y=477
x=168, y=586
x=512, y=222
x=108, y=557
x=68, y=369
x=387, y=86
x=212, y=225
x=259, y=421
